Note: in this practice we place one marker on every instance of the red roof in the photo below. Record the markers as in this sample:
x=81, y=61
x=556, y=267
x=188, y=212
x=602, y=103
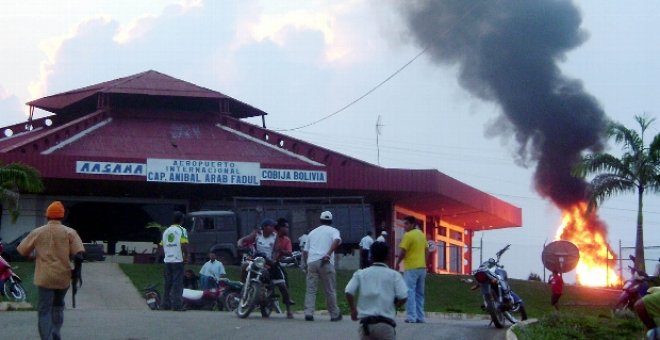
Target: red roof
x=135, y=135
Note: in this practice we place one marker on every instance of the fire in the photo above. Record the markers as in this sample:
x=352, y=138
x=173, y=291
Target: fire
x=588, y=233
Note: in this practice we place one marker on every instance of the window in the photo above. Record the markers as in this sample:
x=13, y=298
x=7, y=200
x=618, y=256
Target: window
x=442, y=251
x=456, y=235
x=454, y=258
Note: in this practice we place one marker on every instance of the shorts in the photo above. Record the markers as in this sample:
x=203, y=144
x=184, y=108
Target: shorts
x=554, y=299
x=276, y=274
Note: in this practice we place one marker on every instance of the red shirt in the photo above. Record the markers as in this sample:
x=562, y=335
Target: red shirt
x=556, y=284
x=283, y=245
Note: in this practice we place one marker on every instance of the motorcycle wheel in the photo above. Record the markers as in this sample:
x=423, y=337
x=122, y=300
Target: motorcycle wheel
x=14, y=291
x=495, y=314
x=231, y=301
x=246, y=302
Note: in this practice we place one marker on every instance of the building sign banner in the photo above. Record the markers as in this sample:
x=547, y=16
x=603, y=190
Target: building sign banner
x=203, y=172
x=291, y=175
x=110, y=168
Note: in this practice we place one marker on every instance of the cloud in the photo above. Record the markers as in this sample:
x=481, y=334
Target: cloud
x=10, y=108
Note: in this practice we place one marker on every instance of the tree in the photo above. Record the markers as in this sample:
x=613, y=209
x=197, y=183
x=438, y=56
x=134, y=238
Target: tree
x=637, y=171
x=14, y=179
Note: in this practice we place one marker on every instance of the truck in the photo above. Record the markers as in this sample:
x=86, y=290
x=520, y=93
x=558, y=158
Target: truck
x=218, y=231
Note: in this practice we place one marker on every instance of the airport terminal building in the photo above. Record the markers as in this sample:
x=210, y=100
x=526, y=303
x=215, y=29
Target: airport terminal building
x=129, y=151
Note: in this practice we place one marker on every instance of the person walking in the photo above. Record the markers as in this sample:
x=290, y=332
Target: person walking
x=557, y=287
x=211, y=272
x=413, y=255
x=365, y=245
x=319, y=259
x=174, y=247
x=380, y=291
x=53, y=244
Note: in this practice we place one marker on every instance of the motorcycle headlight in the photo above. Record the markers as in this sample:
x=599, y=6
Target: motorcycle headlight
x=260, y=262
x=481, y=277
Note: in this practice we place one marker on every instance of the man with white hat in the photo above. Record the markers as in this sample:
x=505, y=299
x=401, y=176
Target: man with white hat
x=319, y=258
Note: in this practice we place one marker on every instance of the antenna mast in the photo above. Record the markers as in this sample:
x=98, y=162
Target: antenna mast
x=378, y=129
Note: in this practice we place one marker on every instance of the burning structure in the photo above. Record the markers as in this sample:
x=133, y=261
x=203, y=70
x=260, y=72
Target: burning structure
x=509, y=54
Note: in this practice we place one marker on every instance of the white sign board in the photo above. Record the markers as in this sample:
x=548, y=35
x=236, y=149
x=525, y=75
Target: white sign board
x=203, y=172
x=293, y=175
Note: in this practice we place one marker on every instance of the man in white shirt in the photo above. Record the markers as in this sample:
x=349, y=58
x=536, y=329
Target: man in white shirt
x=382, y=237
x=211, y=272
x=380, y=291
x=365, y=244
x=319, y=258
x=174, y=246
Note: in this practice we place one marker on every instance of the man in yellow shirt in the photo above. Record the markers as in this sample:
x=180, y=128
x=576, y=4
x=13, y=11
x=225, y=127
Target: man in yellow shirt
x=54, y=244
x=413, y=255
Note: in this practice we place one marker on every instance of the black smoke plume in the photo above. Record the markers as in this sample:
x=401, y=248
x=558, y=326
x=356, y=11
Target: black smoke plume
x=508, y=52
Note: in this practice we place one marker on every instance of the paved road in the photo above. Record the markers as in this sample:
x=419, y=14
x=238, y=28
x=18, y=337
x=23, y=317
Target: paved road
x=109, y=308
x=114, y=324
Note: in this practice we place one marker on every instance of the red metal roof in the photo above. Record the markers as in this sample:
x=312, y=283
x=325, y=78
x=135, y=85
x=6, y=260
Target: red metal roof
x=150, y=83
x=133, y=136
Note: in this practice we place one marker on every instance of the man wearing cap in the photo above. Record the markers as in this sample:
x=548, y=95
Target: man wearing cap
x=319, y=258
x=265, y=242
x=174, y=246
x=54, y=244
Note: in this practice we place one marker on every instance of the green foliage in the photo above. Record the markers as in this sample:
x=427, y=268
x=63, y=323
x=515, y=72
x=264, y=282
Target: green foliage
x=571, y=325
x=14, y=179
x=534, y=277
x=636, y=171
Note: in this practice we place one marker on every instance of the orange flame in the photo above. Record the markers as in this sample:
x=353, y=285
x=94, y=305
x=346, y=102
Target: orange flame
x=588, y=233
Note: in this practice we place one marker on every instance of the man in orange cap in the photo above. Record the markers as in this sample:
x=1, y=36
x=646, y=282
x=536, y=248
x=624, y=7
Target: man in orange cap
x=54, y=244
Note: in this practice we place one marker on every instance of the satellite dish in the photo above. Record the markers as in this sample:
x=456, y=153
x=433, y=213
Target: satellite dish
x=561, y=256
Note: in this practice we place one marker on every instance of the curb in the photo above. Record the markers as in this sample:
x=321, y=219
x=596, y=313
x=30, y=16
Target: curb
x=510, y=335
x=6, y=306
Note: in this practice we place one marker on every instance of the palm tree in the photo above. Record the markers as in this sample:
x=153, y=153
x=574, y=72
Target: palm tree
x=16, y=178
x=637, y=171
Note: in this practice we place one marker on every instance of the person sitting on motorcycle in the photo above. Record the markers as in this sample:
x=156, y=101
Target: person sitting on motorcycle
x=264, y=241
x=283, y=246
x=211, y=272
x=190, y=280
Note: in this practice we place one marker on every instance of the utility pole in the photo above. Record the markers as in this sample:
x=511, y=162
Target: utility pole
x=378, y=130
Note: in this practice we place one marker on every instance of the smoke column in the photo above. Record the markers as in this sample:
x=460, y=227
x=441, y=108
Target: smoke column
x=507, y=52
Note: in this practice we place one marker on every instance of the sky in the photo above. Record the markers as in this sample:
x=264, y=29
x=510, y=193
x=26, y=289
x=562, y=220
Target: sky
x=336, y=68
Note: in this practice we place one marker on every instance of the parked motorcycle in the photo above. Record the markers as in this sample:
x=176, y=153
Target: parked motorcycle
x=499, y=301
x=11, y=283
x=258, y=289
x=633, y=289
x=152, y=296
x=224, y=296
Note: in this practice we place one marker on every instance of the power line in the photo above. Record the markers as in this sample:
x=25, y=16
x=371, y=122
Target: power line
x=382, y=82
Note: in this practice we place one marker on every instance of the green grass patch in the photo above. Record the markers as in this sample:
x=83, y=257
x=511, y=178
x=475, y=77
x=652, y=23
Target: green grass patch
x=577, y=325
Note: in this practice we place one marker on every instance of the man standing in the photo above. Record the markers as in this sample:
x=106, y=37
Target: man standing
x=319, y=258
x=211, y=272
x=175, y=250
x=382, y=236
x=381, y=290
x=54, y=244
x=365, y=245
x=557, y=287
x=413, y=255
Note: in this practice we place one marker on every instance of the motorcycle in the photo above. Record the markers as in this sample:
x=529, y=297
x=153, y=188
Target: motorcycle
x=11, y=283
x=499, y=301
x=224, y=296
x=633, y=289
x=258, y=289
x=152, y=296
